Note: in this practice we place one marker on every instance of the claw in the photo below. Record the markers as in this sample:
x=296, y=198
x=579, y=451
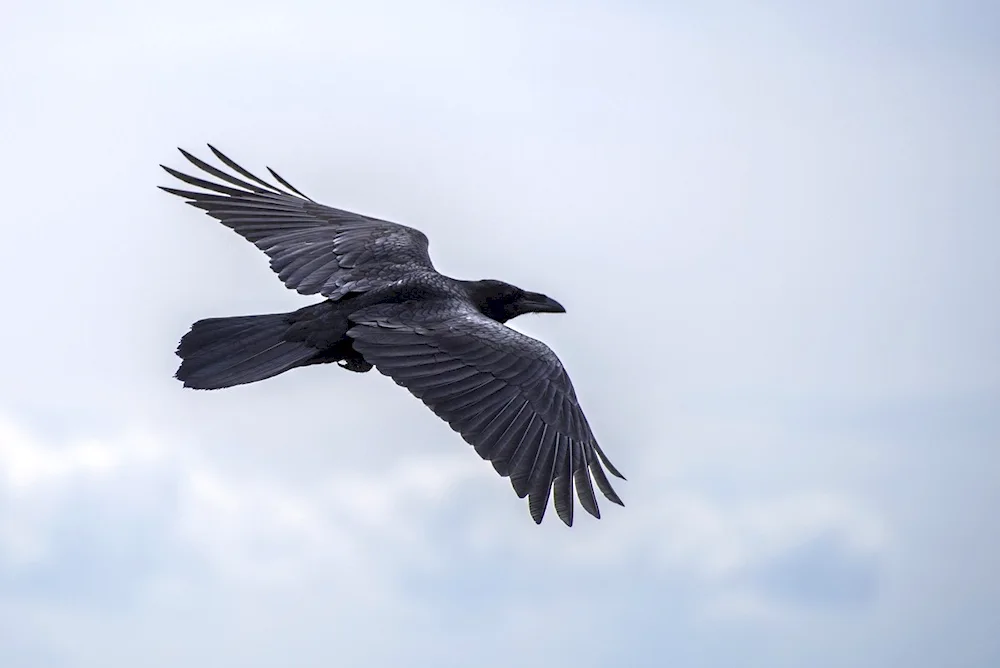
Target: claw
x=356, y=364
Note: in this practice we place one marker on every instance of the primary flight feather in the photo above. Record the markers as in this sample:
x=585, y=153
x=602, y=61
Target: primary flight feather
x=386, y=307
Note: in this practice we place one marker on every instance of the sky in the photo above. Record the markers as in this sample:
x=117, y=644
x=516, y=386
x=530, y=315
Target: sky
x=776, y=231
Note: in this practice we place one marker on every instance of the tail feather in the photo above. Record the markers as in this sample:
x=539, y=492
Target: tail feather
x=223, y=352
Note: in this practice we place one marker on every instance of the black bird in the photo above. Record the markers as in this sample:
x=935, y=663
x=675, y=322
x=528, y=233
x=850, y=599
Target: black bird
x=386, y=306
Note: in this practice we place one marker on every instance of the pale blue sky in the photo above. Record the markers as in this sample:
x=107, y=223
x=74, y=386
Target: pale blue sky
x=776, y=230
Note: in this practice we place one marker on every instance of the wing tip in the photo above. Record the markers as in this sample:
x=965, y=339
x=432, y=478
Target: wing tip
x=607, y=462
x=216, y=152
x=170, y=170
x=564, y=502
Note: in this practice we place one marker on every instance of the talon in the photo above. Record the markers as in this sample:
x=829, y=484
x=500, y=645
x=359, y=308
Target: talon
x=356, y=364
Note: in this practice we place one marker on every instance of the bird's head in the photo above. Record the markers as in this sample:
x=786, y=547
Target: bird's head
x=503, y=301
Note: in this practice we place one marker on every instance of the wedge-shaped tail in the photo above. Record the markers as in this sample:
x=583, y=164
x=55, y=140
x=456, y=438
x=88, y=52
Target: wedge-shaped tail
x=223, y=352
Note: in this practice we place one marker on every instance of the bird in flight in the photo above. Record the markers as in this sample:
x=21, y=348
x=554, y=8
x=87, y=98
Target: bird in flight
x=386, y=307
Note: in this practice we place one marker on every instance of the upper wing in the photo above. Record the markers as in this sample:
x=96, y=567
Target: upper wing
x=313, y=248
x=506, y=393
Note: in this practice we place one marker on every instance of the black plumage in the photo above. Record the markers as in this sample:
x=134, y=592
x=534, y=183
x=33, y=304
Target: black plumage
x=386, y=307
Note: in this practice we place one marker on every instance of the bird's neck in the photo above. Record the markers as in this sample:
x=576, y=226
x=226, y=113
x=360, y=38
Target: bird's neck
x=483, y=297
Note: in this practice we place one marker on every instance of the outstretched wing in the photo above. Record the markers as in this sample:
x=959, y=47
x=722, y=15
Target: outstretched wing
x=313, y=248
x=507, y=394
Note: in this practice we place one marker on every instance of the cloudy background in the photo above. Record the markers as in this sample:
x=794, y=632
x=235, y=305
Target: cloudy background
x=777, y=233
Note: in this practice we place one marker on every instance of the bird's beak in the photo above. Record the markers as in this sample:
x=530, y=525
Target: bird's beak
x=539, y=303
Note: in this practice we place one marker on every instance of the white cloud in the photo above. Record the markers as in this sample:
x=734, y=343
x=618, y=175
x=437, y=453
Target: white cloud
x=262, y=530
x=28, y=465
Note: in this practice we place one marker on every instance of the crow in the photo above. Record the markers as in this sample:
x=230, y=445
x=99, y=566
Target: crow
x=386, y=307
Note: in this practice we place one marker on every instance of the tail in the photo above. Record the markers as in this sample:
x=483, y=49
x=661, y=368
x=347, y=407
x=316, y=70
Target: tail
x=223, y=352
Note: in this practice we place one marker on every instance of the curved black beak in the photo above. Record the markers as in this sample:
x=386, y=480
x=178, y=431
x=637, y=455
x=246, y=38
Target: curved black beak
x=535, y=302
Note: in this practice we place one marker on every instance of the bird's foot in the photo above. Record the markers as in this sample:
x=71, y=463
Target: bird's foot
x=356, y=364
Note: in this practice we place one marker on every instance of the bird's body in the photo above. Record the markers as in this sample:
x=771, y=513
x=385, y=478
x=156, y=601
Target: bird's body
x=386, y=307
